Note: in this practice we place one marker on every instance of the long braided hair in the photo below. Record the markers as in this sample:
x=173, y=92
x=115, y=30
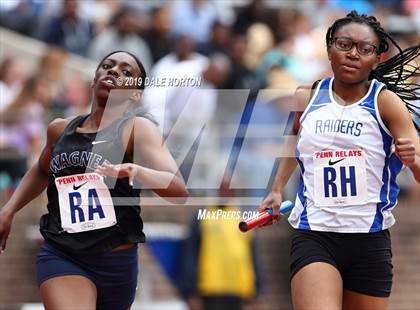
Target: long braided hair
x=398, y=73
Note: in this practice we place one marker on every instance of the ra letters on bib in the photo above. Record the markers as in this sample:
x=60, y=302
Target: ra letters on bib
x=85, y=203
x=340, y=178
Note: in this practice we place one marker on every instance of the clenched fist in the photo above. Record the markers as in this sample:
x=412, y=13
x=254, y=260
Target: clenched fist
x=406, y=151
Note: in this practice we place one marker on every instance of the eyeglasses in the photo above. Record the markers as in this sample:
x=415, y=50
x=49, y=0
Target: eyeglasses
x=346, y=44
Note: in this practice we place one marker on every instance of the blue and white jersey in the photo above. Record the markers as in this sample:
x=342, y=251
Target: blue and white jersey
x=348, y=173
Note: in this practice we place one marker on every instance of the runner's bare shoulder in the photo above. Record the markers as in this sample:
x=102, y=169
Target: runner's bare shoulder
x=304, y=93
x=56, y=128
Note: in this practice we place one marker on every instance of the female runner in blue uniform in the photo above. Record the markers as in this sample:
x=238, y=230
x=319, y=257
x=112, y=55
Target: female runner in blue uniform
x=89, y=258
x=353, y=137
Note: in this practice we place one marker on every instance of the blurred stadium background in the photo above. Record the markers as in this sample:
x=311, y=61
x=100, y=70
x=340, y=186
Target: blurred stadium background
x=49, y=50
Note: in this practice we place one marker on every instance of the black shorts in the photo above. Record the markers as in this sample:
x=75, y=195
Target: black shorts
x=364, y=260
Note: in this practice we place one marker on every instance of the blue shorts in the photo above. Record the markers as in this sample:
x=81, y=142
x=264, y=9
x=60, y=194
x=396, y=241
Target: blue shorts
x=113, y=273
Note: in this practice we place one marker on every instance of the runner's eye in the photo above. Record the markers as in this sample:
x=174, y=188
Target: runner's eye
x=365, y=49
x=343, y=44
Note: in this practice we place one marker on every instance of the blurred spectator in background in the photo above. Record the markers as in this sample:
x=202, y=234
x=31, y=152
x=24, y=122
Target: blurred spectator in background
x=195, y=103
x=198, y=105
x=241, y=77
x=51, y=64
x=254, y=12
x=69, y=30
x=21, y=15
x=12, y=74
x=219, y=265
x=123, y=34
x=98, y=12
x=158, y=37
x=305, y=49
x=260, y=39
x=184, y=62
x=51, y=67
x=21, y=126
x=296, y=57
x=278, y=63
x=412, y=7
x=201, y=99
x=217, y=72
x=193, y=18
x=265, y=134
x=143, y=11
x=76, y=97
x=359, y=5
x=218, y=42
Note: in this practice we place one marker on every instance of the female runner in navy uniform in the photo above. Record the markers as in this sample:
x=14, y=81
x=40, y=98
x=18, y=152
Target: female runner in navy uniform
x=353, y=138
x=89, y=258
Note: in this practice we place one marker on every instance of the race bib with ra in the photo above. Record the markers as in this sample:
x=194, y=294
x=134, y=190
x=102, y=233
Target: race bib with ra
x=85, y=203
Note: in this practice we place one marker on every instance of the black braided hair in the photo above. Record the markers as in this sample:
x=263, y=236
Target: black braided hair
x=398, y=73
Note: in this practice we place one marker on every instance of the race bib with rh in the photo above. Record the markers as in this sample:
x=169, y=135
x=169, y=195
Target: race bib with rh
x=85, y=203
x=340, y=178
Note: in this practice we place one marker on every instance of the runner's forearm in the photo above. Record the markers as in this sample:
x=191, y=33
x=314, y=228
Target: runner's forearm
x=165, y=184
x=32, y=184
x=415, y=168
x=284, y=172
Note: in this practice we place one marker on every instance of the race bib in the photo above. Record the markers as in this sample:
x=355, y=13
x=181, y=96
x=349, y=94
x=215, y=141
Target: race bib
x=340, y=178
x=85, y=203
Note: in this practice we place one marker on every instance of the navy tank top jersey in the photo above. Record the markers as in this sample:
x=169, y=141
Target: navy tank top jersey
x=86, y=211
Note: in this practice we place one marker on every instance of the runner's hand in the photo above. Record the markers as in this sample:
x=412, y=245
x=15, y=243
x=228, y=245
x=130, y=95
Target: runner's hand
x=127, y=170
x=273, y=200
x=5, y=226
x=406, y=151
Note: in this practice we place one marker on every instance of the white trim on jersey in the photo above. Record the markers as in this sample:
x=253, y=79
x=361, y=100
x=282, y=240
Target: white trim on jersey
x=315, y=95
x=378, y=115
x=349, y=106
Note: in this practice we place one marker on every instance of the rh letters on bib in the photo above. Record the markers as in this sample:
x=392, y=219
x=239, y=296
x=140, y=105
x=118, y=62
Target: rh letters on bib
x=340, y=178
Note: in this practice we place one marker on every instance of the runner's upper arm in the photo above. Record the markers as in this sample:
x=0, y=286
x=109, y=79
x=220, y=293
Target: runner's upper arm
x=153, y=153
x=396, y=118
x=54, y=130
x=302, y=96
